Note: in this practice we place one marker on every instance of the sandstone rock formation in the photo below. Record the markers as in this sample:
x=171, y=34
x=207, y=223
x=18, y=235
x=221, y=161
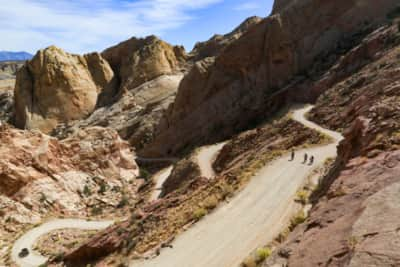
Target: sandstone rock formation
x=8, y=70
x=238, y=88
x=135, y=115
x=6, y=99
x=88, y=174
x=217, y=43
x=355, y=213
x=137, y=61
x=57, y=87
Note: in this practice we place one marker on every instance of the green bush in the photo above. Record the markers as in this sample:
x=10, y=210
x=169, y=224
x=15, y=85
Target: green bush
x=302, y=197
x=43, y=198
x=144, y=174
x=299, y=218
x=97, y=210
x=103, y=188
x=86, y=191
x=199, y=213
x=210, y=202
x=262, y=254
x=123, y=202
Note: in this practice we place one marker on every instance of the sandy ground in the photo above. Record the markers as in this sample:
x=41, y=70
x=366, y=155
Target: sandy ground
x=252, y=218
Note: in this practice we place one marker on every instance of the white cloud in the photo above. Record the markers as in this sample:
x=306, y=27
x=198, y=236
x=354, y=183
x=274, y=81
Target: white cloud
x=247, y=6
x=86, y=25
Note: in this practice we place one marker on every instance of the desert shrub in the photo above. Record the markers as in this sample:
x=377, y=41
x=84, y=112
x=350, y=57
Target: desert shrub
x=86, y=191
x=299, y=218
x=210, y=202
x=199, y=213
x=282, y=235
x=103, y=188
x=144, y=174
x=352, y=242
x=227, y=190
x=262, y=254
x=302, y=197
x=59, y=257
x=97, y=210
x=43, y=198
x=123, y=202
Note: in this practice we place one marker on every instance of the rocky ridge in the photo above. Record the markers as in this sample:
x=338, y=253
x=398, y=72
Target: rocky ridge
x=85, y=175
x=243, y=83
x=358, y=194
x=217, y=43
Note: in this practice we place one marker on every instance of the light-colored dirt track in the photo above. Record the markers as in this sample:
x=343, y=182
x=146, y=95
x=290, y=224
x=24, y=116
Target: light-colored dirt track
x=252, y=218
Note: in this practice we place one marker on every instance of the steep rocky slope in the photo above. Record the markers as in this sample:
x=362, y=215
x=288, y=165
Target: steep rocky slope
x=188, y=196
x=243, y=83
x=57, y=87
x=217, y=43
x=135, y=115
x=355, y=218
x=87, y=175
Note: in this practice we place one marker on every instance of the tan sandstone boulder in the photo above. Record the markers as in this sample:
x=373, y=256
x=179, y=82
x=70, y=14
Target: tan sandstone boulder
x=56, y=87
x=137, y=61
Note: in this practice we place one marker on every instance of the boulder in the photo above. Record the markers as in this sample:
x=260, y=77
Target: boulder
x=57, y=87
x=137, y=61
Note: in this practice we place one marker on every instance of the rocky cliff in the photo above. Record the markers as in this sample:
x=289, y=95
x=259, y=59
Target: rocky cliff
x=217, y=43
x=57, y=87
x=137, y=61
x=86, y=175
x=354, y=218
x=243, y=82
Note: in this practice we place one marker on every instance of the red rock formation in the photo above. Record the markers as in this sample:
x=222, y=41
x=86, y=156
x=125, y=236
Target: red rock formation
x=355, y=218
x=236, y=89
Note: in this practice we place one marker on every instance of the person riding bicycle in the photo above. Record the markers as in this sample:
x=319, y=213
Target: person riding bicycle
x=292, y=155
x=305, y=158
x=311, y=160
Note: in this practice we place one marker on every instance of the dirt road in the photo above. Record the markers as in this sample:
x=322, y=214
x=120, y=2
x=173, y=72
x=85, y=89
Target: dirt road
x=252, y=218
x=29, y=238
x=206, y=157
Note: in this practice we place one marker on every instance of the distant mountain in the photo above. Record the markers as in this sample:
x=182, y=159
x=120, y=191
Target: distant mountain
x=14, y=56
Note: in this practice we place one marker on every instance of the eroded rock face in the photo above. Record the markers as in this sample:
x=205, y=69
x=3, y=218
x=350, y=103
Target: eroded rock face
x=57, y=87
x=354, y=219
x=32, y=159
x=135, y=115
x=137, y=61
x=239, y=86
x=217, y=43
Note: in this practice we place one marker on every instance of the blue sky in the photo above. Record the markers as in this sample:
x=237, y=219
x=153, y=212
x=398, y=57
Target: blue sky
x=81, y=26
